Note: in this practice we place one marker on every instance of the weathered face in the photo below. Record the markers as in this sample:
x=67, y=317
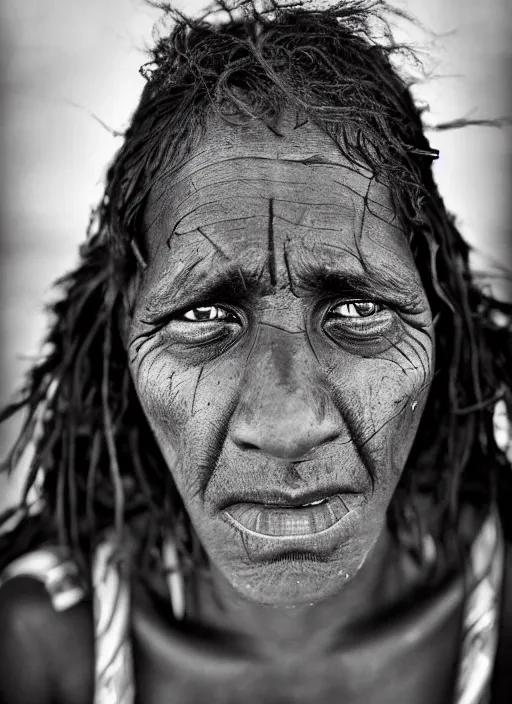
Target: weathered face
x=281, y=346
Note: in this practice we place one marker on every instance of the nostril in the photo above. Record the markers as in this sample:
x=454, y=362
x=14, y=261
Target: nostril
x=243, y=445
x=330, y=438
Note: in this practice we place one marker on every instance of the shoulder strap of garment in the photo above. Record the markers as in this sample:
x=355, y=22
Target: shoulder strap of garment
x=481, y=614
x=114, y=678
x=53, y=566
x=502, y=676
x=111, y=588
x=174, y=577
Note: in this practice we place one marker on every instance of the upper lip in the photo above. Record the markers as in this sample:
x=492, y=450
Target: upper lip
x=284, y=499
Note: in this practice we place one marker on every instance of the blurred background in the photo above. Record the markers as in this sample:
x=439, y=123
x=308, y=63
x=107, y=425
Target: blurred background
x=67, y=66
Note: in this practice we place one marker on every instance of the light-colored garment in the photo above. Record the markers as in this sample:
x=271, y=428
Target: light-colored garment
x=111, y=606
x=114, y=668
x=481, y=615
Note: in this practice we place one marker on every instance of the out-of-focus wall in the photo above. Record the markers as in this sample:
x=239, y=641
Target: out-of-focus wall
x=63, y=61
x=472, y=59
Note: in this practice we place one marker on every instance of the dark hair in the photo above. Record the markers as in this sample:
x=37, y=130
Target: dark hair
x=334, y=67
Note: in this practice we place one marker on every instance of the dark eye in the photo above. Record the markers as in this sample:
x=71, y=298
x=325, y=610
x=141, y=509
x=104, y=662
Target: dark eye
x=355, y=309
x=207, y=313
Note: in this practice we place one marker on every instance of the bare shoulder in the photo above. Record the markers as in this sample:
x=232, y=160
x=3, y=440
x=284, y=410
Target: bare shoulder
x=46, y=655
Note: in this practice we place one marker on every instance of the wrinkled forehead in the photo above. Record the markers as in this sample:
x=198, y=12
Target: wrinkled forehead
x=238, y=179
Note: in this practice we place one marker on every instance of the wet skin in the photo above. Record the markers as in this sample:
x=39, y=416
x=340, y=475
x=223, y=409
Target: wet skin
x=281, y=344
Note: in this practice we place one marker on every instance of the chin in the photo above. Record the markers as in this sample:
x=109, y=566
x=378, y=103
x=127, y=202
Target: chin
x=294, y=579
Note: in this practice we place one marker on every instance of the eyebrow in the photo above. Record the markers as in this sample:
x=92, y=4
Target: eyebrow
x=229, y=284
x=193, y=285
x=402, y=291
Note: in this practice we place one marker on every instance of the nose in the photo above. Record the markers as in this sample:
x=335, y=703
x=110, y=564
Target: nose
x=287, y=428
x=284, y=409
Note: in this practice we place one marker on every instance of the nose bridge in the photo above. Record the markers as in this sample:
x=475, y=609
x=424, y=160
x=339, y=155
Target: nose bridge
x=284, y=407
x=282, y=372
x=282, y=361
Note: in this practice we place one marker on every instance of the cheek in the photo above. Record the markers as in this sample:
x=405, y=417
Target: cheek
x=188, y=409
x=395, y=411
x=381, y=400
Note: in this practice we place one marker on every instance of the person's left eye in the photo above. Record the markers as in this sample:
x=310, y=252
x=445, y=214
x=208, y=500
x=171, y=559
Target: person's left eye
x=201, y=314
x=360, y=322
x=355, y=309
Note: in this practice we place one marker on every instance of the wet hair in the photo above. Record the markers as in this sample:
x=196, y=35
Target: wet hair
x=89, y=445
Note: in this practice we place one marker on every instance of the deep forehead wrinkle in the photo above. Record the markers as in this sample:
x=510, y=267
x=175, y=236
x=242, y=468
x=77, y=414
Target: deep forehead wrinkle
x=249, y=222
x=258, y=228
x=239, y=213
x=235, y=199
x=221, y=146
x=194, y=170
x=253, y=177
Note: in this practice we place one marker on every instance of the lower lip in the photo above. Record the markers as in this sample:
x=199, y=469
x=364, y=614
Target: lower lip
x=281, y=523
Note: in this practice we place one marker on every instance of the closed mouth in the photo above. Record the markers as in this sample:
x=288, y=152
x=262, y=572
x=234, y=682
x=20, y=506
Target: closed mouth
x=277, y=521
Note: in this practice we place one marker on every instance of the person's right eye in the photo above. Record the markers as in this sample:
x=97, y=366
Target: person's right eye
x=207, y=314
x=211, y=327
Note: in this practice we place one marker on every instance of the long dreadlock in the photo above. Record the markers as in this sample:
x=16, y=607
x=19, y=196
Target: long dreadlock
x=335, y=67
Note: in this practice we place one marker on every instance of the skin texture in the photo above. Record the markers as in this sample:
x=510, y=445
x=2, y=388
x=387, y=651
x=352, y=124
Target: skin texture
x=312, y=374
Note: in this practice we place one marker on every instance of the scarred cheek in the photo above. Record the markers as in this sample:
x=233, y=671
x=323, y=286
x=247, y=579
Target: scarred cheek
x=181, y=401
x=382, y=407
x=397, y=407
x=189, y=412
x=158, y=388
x=391, y=402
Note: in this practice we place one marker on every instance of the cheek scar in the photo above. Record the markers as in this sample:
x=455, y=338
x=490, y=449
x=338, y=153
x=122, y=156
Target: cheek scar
x=271, y=244
x=195, y=389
